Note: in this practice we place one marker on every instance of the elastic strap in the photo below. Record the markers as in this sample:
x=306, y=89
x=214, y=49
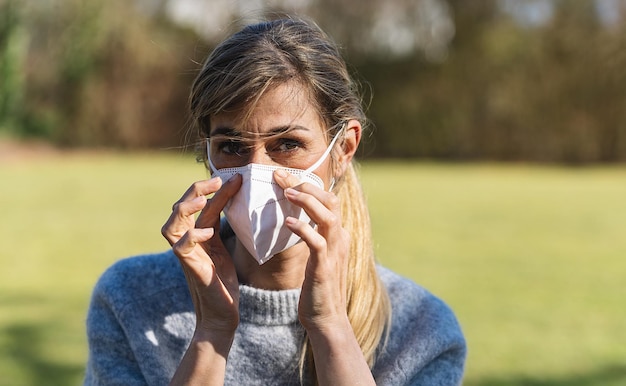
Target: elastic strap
x=326, y=153
x=208, y=156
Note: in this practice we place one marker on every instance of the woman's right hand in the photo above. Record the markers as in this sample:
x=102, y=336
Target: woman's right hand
x=211, y=278
x=207, y=265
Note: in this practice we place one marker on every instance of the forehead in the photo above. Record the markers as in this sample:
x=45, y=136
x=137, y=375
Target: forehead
x=285, y=105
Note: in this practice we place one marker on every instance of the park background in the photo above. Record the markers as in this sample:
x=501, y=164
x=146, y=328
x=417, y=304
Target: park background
x=493, y=165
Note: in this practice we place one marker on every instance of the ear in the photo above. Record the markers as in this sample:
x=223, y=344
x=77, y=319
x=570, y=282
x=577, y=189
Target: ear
x=347, y=146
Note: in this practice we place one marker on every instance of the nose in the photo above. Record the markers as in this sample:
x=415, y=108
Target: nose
x=259, y=155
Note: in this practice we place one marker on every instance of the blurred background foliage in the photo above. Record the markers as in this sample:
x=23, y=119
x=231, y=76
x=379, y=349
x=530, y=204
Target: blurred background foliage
x=507, y=80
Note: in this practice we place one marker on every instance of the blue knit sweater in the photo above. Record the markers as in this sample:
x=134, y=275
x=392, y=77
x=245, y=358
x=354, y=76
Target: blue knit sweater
x=141, y=320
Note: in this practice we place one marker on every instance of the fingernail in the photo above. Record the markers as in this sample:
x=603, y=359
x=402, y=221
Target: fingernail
x=291, y=192
x=207, y=232
x=281, y=173
x=290, y=220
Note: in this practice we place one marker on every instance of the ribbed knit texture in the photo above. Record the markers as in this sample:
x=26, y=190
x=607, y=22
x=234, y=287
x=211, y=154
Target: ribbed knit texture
x=269, y=308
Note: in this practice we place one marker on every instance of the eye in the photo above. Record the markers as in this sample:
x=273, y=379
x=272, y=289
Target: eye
x=287, y=145
x=231, y=146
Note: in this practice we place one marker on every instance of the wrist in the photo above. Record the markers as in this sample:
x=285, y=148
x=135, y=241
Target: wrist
x=336, y=329
x=204, y=362
x=216, y=341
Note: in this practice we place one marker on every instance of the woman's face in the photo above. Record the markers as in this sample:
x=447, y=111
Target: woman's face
x=283, y=129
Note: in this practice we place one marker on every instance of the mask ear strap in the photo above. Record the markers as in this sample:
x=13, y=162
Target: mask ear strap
x=208, y=156
x=326, y=153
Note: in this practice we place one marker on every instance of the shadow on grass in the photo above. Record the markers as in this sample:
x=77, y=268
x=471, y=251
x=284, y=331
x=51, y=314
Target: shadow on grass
x=24, y=344
x=609, y=375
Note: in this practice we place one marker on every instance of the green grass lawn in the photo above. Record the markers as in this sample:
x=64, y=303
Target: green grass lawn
x=532, y=259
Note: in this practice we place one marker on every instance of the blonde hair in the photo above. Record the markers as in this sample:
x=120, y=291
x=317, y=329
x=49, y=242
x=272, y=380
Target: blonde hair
x=262, y=56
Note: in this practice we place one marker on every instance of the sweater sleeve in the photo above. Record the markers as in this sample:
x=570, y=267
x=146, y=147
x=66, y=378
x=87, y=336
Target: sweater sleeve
x=438, y=349
x=111, y=359
x=426, y=344
x=446, y=369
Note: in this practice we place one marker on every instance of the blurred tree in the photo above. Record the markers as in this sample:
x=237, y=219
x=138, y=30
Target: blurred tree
x=550, y=91
x=11, y=61
x=434, y=109
x=102, y=73
x=540, y=80
x=562, y=82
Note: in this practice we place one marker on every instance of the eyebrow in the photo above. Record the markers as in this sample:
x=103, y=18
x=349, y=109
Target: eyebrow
x=231, y=132
x=225, y=131
x=284, y=129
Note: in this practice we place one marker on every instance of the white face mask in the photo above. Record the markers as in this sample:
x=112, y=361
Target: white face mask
x=258, y=210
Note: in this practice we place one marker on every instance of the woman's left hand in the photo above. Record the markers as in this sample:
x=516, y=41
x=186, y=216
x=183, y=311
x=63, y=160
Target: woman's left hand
x=322, y=309
x=323, y=299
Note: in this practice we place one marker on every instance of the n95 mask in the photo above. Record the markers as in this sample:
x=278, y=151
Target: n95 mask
x=257, y=212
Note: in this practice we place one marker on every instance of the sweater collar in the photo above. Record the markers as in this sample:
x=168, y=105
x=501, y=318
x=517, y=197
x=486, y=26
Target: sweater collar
x=267, y=307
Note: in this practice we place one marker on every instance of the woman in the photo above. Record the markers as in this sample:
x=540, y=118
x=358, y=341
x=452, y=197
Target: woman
x=284, y=289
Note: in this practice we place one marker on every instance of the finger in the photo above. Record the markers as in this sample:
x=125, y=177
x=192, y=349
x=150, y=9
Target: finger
x=181, y=218
x=329, y=199
x=201, y=188
x=211, y=212
x=188, y=208
x=322, y=207
x=285, y=180
x=325, y=261
x=315, y=241
x=194, y=199
x=187, y=252
x=186, y=246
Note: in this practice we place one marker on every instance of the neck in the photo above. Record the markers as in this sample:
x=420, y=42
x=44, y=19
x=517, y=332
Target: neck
x=283, y=271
